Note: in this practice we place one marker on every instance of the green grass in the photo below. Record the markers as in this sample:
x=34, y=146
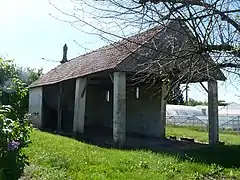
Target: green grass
x=55, y=157
x=229, y=137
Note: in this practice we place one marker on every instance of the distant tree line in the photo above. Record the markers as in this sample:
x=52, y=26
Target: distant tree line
x=14, y=82
x=176, y=98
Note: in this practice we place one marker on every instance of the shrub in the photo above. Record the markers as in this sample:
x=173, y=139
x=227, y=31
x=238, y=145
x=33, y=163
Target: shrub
x=14, y=126
x=13, y=86
x=14, y=135
x=17, y=97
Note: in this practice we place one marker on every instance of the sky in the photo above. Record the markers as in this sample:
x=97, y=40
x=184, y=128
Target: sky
x=29, y=32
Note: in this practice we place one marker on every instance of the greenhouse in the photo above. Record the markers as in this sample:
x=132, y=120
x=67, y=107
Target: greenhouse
x=229, y=116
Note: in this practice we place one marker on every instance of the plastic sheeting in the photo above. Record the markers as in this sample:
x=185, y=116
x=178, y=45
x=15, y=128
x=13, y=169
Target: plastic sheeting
x=229, y=116
x=176, y=110
x=233, y=109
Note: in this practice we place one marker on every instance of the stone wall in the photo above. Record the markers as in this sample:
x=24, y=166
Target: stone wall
x=98, y=110
x=50, y=105
x=143, y=114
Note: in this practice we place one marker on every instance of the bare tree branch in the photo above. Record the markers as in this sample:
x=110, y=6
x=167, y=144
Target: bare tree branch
x=199, y=3
x=208, y=36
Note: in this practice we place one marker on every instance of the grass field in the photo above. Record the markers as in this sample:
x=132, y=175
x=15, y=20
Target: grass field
x=55, y=157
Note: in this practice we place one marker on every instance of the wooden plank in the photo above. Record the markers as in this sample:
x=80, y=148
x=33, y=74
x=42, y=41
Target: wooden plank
x=59, y=120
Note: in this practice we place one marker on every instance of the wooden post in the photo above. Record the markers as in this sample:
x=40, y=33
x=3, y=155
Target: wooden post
x=213, y=112
x=119, y=108
x=59, y=120
x=163, y=110
x=80, y=105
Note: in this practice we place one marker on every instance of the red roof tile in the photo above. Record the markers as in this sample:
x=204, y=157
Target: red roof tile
x=105, y=58
x=115, y=57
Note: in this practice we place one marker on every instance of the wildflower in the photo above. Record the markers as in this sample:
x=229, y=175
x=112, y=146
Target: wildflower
x=12, y=146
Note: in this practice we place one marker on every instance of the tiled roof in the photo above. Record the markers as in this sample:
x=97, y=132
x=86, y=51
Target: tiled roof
x=121, y=56
x=105, y=58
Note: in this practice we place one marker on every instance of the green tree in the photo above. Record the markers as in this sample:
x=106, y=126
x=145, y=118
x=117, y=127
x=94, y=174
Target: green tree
x=14, y=125
x=14, y=83
x=222, y=103
x=28, y=75
x=192, y=102
x=176, y=96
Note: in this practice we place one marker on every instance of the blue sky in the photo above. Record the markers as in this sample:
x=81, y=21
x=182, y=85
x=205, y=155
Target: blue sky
x=29, y=33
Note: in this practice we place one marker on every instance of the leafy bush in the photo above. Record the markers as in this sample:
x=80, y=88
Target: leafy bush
x=14, y=125
x=17, y=96
x=14, y=135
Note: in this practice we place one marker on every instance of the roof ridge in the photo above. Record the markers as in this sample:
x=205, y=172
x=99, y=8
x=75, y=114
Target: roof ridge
x=140, y=46
x=125, y=38
x=134, y=39
x=108, y=45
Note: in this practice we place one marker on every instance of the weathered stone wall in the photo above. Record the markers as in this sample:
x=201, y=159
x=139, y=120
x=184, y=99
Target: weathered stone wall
x=98, y=110
x=50, y=105
x=67, y=101
x=143, y=114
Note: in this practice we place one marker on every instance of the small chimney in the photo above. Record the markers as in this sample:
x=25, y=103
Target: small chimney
x=65, y=49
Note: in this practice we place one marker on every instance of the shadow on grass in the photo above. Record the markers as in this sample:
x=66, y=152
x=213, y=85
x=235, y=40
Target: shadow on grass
x=224, y=155
x=227, y=156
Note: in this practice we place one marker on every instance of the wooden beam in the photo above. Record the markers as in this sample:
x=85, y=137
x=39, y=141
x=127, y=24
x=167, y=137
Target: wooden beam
x=111, y=77
x=59, y=120
x=203, y=87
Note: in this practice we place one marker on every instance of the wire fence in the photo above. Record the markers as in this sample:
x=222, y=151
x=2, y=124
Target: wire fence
x=225, y=122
